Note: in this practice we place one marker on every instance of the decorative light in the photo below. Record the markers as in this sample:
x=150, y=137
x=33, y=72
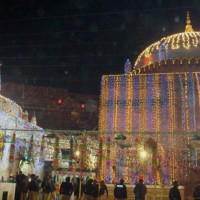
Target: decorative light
x=9, y=106
x=82, y=106
x=143, y=154
x=77, y=153
x=12, y=148
x=154, y=96
x=184, y=40
x=59, y=101
x=56, y=153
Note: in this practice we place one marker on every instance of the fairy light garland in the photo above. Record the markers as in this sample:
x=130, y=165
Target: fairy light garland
x=135, y=103
x=171, y=124
x=83, y=148
x=100, y=158
x=186, y=102
x=174, y=126
x=198, y=93
x=71, y=144
x=30, y=149
x=56, y=153
x=191, y=101
x=156, y=103
x=116, y=94
x=149, y=108
x=171, y=102
x=129, y=98
x=42, y=146
x=122, y=105
x=111, y=102
x=185, y=40
x=1, y=145
x=157, y=123
x=142, y=115
x=116, y=114
x=108, y=161
x=103, y=104
x=183, y=118
x=129, y=109
x=12, y=148
x=186, y=91
x=142, y=108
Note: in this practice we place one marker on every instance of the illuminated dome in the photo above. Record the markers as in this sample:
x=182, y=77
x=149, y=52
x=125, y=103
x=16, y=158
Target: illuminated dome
x=177, y=46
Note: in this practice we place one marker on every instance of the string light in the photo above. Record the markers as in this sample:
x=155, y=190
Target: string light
x=9, y=106
x=145, y=96
x=108, y=161
x=185, y=40
x=198, y=92
x=56, y=153
x=129, y=110
x=116, y=106
x=2, y=145
x=103, y=104
x=100, y=172
x=12, y=148
x=142, y=104
x=156, y=103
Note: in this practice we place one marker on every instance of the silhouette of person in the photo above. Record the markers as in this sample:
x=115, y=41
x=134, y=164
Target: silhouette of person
x=140, y=190
x=196, y=193
x=120, y=191
x=174, y=192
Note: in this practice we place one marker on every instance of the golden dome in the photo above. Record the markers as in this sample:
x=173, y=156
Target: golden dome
x=180, y=45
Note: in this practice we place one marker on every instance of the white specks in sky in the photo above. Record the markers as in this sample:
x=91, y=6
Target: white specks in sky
x=163, y=28
x=176, y=19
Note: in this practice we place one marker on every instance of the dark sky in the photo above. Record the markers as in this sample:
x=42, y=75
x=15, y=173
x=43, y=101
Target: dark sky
x=72, y=43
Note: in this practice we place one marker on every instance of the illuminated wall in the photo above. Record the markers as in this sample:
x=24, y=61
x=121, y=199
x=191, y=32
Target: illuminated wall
x=23, y=130
x=150, y=102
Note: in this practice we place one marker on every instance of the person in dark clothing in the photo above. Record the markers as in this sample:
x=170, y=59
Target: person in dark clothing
x=89, y=189
x=33, y=188
x=95, y=192
x=52, y=188
x=66, y=189
x=76, y=188
x=196, y=193
x=17, y=190
x=43, y=184
x=174, y=193
x=78, y=191
x=120, y=191
x=46, y=188
x=38, y=181
x=103, y=191
x=24, y=187
x=140, y=190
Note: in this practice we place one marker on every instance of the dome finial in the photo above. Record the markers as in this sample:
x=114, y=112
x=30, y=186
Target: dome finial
x=188, y=27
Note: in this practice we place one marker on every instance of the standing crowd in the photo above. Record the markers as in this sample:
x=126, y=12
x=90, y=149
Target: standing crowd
x=32, y=188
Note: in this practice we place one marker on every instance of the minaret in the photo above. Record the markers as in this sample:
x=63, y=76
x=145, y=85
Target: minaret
x=188, y=26
x=34, y=120
x=25, y=116
x=127, y=67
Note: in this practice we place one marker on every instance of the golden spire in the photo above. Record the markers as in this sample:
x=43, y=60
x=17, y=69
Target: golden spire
x=188, y=26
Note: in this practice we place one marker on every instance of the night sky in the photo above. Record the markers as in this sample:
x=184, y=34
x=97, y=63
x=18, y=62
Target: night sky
x=72, y=43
